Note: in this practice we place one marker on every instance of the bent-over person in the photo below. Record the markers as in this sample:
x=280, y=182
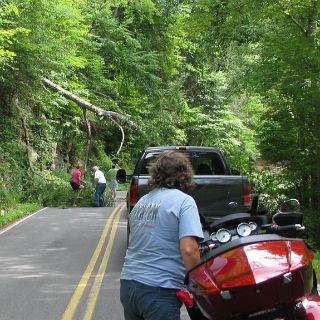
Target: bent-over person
x=100, y=186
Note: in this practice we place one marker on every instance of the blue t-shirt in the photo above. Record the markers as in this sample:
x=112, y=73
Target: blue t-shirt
x=157, y=222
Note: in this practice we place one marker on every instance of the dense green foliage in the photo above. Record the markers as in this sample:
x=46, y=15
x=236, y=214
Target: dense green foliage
x=316, y=263
x=240, y=75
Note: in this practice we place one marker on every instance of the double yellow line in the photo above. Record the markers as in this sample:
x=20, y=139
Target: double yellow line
x=93, y=296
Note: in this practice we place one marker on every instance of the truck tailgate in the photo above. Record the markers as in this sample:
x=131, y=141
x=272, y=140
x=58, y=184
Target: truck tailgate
x=218, y=196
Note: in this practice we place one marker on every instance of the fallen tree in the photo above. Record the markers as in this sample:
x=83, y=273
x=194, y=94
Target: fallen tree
x=82, y=103
x=113, y=116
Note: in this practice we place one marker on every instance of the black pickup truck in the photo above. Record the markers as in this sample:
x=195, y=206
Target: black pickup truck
x=218, y=192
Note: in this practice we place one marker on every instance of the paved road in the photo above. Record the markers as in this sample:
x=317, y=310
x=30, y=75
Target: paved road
x=63, y=264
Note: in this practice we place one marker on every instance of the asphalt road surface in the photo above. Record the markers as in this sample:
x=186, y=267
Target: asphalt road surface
x=63, y=264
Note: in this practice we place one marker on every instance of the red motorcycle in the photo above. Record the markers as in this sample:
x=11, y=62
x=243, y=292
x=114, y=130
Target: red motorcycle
x=254, y=267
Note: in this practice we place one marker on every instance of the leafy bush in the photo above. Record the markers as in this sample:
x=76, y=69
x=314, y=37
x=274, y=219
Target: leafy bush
x=7, y=198
x=312, y=224
x=54, y=190
x=99, y=158
x=273, y=188
x=276, y=187
x=58, y=193
x=316, y=264
x=11, y=174
x=49, y=188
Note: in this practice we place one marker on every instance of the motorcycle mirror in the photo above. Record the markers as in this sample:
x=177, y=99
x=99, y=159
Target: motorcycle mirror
x=288, y=213
x=291, y=205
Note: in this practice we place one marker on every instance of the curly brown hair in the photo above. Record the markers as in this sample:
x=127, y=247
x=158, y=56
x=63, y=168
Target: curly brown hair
x=172, y=170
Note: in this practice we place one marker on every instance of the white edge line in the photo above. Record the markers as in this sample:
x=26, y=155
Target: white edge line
x=18, y=222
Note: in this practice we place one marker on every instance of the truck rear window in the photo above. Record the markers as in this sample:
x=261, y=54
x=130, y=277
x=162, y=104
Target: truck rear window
x=203, y=163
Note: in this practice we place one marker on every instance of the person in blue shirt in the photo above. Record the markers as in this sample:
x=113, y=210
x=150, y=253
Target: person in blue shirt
x=163, y=244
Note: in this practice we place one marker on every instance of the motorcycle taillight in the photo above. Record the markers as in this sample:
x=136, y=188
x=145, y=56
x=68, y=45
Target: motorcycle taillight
x=247, y=199
x=300, y=255
x=199, y=278
x=133, y=193
x=231, y=269
x=251, y=264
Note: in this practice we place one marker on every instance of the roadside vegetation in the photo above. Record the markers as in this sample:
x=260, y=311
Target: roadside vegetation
x=242, y=76
x=19, y=211
x=316, y=264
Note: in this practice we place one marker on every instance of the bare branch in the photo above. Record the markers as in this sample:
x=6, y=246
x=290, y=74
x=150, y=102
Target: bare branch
x=122, y=137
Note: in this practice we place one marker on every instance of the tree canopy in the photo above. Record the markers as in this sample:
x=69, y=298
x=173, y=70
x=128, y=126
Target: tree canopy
x=239, y=75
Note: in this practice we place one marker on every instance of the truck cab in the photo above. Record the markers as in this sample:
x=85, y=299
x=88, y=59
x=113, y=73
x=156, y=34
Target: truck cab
x=218, y=191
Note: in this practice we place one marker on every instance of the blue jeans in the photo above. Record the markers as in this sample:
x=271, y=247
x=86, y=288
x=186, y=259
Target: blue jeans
x=142, y=302
x=97, y=195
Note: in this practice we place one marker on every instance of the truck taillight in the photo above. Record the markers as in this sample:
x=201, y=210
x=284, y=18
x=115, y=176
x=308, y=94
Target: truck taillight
x=133, y=193
x=247, y=199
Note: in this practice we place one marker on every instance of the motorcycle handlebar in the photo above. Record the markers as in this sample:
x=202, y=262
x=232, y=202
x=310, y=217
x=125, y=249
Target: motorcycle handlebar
x=292, y=227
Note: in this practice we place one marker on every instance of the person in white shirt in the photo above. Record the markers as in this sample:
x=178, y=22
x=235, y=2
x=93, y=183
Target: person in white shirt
x=101, y=183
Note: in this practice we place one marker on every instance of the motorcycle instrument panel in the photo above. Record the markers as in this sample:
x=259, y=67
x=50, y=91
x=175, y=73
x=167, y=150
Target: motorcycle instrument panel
x=243, y=229
x=223, y=235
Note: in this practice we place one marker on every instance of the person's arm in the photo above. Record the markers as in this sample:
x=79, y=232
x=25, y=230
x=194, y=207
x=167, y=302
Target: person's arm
x=189, y=251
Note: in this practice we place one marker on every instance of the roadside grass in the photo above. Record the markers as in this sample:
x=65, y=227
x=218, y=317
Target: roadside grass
x=18, y=212
x=316, y=263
